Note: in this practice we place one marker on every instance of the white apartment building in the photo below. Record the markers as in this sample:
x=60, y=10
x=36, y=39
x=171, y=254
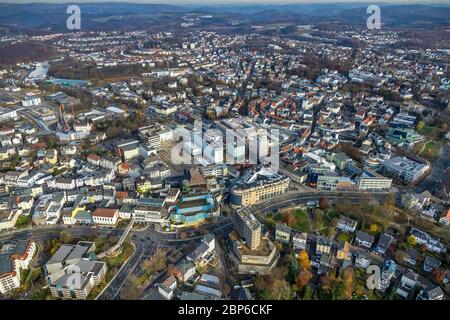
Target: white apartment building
x=371, y=181
x=12, y=262
x=105, y=216
x=405, y=169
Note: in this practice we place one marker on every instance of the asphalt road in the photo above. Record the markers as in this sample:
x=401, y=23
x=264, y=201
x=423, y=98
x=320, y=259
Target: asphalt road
x=439, y=172
x=54, y=231
x=297, y=198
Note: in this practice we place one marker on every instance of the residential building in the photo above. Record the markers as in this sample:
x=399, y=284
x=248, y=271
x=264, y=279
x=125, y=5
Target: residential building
x=384, y=242
x=167, y=288
x=363, y=239
x=15, y=259
x=372, y=181
x=299, y=241
x=408, y=282
x=323, y=246
x=431, y=293
x=405, y=169
x=248, y=227
x=362, y=260
x=283, y=233
x=72, y=272
x=258, y=185
x=346, y=224
x=183, y=270
x=430, y=264
x=105, y=216
x=343, y=250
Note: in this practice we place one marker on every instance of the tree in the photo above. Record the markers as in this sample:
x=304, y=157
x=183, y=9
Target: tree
x=324, y=203
x=131, y=291
x=293, y=267
x=374, y=228
x=331, y=231
x=303, y=278
x=439, y=275
x=156, y=262
x=274, y=286
x=420, y=125
x=281, y=290
x=411, y=240
x=303, y=260
x=308, y=293
x=399, y=256
x=289, y=219
x=347, y=278
x=66, y=237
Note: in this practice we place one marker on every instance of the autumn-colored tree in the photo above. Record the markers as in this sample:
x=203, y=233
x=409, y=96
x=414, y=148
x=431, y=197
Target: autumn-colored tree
x=280, y=290
x=289, y=219
x=303, y=278
x=347, y=278
x=439, y=275
x=157, y=262
x=411, y=240
x=420, y=125
x=327, y=280
x=303, y=260
x=324, y=203
x=399, y=256
x=373, y=228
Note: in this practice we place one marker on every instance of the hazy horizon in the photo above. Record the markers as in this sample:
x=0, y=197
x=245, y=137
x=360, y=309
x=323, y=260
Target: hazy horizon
x=229, y=2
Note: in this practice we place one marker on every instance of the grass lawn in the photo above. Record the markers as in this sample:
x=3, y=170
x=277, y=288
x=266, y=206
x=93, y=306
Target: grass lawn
x=301, y=217
x=302, y=221
x=22, y=222
x=344, y=236
x=115, y=262
x=431, y=150
x=430, y=132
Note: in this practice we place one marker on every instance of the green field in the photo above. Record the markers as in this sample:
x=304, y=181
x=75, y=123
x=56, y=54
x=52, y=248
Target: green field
x=302, y=221
x=22, y=222
x=430, y=132
x=430, y=150
x=301, y=217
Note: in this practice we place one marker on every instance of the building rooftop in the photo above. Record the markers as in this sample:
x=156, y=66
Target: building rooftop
x=248, y=218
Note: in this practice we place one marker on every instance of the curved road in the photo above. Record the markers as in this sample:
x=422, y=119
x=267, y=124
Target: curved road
x=440, y=170
x=296, y=198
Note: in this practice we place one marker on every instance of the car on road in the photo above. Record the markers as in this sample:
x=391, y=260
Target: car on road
x=312, y=204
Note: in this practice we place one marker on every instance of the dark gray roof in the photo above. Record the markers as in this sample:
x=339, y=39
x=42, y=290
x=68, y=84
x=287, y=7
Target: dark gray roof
x=432, y=261
x=364, y=236
x=433, y=292
x=5, y=263
x=283, y=227
x=385, y=241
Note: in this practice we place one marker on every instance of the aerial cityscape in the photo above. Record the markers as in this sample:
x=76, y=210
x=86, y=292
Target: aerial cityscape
x=260, y=151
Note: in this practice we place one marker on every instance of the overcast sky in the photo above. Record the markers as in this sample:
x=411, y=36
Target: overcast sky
x=229, y=1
